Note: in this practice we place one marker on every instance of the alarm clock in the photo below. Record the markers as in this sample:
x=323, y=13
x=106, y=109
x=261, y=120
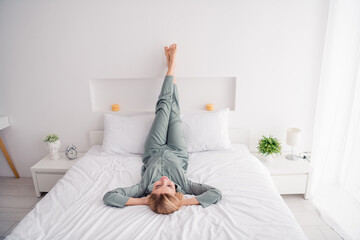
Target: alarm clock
x=71, y=152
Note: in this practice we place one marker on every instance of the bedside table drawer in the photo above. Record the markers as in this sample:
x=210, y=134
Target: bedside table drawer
x=290, y=184
x=46, y=181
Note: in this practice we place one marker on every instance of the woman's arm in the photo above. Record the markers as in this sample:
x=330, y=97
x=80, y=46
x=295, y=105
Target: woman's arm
x=205, y=194
x=138, y=201
x=190, y=201
x=120, y=196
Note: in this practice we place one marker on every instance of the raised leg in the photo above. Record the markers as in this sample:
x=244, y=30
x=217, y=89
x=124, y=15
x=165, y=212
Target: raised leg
x=158, y=132
x=175, y=137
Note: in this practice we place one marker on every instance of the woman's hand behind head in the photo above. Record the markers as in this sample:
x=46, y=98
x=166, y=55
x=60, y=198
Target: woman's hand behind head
x=146, y=199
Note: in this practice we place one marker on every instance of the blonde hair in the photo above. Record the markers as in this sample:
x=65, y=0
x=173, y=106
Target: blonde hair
x=165, y=203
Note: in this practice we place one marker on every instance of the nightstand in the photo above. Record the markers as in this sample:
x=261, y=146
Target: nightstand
x=289, y=176
x=47, y=172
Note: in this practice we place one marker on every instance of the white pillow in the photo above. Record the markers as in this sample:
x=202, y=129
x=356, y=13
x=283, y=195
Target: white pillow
x=126, y=134
x=206, y=131
x=203, y=131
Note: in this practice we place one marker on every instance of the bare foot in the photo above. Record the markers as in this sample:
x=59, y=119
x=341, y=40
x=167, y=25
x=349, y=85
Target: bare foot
x=167, y=55
x=172, y=53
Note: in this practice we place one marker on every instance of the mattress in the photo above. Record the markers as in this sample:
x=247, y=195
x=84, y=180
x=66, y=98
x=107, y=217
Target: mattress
x=251, y=207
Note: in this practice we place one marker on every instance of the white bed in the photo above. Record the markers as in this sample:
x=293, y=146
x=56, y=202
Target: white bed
x=251, y=207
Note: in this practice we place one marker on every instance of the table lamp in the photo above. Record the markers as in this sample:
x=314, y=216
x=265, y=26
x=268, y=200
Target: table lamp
x=292, y=139
x=4, y=123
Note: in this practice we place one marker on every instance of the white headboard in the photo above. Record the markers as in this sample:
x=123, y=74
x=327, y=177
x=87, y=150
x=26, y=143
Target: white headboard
x=237, y=135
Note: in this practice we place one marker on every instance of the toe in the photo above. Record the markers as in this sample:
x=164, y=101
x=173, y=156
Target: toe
x=166, y=51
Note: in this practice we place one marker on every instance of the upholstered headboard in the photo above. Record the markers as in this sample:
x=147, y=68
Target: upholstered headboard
x=237, y=135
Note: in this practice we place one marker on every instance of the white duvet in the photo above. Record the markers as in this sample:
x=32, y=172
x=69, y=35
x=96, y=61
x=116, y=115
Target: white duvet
x=251, y=208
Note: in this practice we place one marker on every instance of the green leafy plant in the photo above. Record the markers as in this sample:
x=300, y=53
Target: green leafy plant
x=269, y=146
x=51, y=138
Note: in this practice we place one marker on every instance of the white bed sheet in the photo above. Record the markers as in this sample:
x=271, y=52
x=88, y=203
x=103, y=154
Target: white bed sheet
x=251, y=208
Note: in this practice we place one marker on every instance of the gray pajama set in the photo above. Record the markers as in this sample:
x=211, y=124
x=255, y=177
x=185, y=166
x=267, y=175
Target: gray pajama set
x=165, y=155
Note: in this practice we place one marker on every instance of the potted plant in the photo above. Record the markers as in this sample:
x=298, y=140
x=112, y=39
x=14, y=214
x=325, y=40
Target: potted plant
x=54, y=144
x=268, y=147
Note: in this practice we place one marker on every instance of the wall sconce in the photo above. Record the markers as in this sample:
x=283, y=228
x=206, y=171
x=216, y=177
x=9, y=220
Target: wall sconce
x=210, y=107
x=115, y=107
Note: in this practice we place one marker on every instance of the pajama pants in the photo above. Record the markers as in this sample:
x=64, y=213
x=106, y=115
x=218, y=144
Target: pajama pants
x=166, y=131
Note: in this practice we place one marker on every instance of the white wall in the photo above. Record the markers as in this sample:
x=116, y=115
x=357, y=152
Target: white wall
x=50, y=49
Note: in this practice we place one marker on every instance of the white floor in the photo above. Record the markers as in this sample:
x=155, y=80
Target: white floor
x=309, y=219
x=17, y=198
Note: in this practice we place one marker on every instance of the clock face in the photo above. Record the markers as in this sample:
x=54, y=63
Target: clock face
x=72, y=154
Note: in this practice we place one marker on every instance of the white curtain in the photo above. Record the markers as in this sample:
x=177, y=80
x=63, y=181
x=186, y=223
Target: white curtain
x=336, y=148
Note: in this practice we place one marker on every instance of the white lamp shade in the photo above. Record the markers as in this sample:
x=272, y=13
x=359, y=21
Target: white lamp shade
x=4, y=122
x=292, y=136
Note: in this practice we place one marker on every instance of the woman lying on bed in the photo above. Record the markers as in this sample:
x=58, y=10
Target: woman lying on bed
x=164, y=180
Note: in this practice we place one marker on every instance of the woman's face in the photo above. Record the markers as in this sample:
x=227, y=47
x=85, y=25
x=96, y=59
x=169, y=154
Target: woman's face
x=164, y=185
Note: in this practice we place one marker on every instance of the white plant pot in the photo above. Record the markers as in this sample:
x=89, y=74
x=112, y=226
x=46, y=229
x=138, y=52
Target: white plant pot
x=54, y=148
x=268, y=158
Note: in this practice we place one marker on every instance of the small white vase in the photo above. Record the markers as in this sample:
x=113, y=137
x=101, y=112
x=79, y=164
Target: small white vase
x=268, y=158
x=54, y=148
